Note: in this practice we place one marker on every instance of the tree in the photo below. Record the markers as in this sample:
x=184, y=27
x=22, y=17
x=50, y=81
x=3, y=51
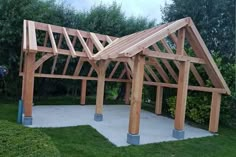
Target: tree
x=215, y=19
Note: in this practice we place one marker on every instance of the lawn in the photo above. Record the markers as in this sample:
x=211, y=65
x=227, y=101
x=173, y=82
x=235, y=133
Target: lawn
x=86, y=141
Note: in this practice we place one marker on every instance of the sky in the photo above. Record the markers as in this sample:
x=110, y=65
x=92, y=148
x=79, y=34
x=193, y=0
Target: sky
x=146, y=8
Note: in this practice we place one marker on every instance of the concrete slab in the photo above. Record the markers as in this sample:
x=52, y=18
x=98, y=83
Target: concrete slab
x=114, y=127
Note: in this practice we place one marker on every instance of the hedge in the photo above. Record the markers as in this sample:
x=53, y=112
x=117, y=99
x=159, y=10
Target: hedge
x=18, y=141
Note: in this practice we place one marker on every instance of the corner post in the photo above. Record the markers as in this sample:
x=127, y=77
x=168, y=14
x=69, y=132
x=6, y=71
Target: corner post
x=215, y=112
x=181, y=99
x=127, y=92
x=136, y=100
x=83, y=92
x=28, y=87
x=100, y=90
x=159, y=95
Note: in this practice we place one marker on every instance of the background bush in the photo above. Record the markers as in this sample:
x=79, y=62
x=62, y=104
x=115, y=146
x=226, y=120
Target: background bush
x=19, y=141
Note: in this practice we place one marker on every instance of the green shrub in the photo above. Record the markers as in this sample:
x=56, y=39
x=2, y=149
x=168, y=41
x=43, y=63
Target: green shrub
x=17, y=141
x=197, y=109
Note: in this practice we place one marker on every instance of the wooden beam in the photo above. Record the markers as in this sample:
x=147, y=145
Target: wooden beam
x=128, y=72
x=127, y=92
x=68, y=42
x=32, y=37
x=211, y=68
x=192, y=67
x=41, y=60
x=167, y=64
x=122, y=73
x=25, y=35
x=114, y=69
x=100, y=87
x=85, y=46
x=160, y=70
x=72, y=32
x=66, y=65
x=44, y=44
x=55, y=58
x=136, y=95
x=108, y=39
x=83, y=92
x=215, y=112
x=53, y=43
x=182, y=95
x=90, y=71
x=96, y=41
x=180, y=43
x=174, y=57
x=134, y=49
x=61, y=51
x=28, y=84
x=78, y=67
x=159, y=96
x=149, y=69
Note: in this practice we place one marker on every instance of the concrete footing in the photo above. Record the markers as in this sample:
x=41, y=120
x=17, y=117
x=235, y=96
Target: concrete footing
x=178, y=134
x=133, y=139
x=98, y=117
x=27, y=120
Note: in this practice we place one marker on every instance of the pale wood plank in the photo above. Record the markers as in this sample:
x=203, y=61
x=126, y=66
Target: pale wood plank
x=78, y=67
x=160, y=70
x=66, y=65
x=215, y=72
x=134, y=49
x=58, y=29
x=149, y=69
x=180, y=42
x=55, y=58
x=25, y=35
x=114, y=69
x=28, y=84
x=100, y=87
x=41, y=61
x=136, y=94
x=90, y=72
x=174, y=57
x=32, y=37
x=68, y=42
x=96, y=41
x=215, y=112
x=83, y=92
x=122, y=73
x=129, y=73
x=85, y=46
x=182, y=95
x=192, y=67
x=44, y=44
x=54, y=47
x=159, y=96
x=167, y=64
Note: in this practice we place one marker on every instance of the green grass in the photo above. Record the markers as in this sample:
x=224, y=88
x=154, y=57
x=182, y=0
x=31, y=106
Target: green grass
x=86, y=141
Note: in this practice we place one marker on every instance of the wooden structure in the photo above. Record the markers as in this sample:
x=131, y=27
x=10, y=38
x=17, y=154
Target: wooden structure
x=154, y=57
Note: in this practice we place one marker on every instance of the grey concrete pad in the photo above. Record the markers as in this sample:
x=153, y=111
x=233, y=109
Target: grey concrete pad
x=114, y=126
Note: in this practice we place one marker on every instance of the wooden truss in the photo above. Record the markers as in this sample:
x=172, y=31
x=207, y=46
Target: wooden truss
x=157, y=54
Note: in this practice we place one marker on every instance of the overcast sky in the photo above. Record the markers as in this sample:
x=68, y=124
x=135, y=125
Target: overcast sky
x=147, y=8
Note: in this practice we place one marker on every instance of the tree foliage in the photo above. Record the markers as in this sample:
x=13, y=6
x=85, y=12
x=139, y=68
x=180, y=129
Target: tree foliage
x=101, y=19
x=215, y=19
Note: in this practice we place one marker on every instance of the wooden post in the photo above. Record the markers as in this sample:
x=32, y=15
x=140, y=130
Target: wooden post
x=184, y=67
x=159, y=95
x=127, y=92
x=136, y=100
x=100, y=91
x=28, y=87
x=83, y=92
x=215, y=112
